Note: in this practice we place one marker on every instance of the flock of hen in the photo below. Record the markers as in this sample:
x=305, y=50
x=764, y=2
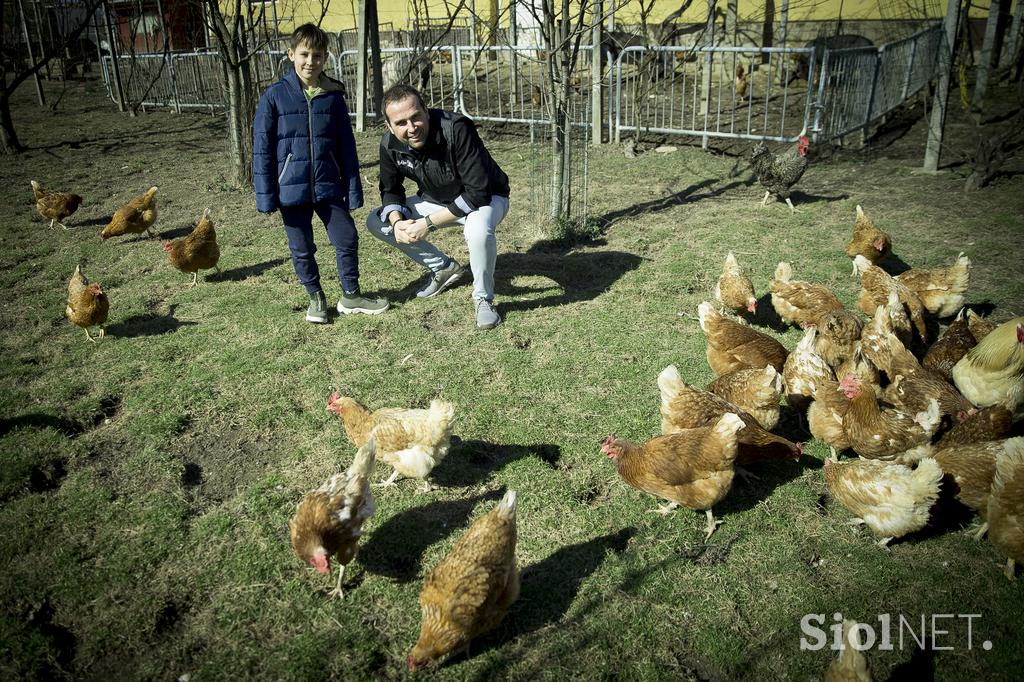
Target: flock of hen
x=88, y=305
x=913, y=425
x=945, y=419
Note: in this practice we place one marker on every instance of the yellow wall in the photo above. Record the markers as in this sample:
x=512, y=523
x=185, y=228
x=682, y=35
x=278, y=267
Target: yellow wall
x=341, y=14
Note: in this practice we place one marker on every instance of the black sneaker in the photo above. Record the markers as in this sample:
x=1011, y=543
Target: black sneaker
x=317, y=310
x=441, y=280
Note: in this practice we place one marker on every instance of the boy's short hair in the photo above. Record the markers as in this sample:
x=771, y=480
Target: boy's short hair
x=310, y=35
x=397, y=93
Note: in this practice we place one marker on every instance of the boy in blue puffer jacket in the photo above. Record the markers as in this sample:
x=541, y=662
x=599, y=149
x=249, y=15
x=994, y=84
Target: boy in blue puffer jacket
x=304, y=162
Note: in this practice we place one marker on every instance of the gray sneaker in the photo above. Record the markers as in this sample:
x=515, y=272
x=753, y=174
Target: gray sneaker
x=441, y=280
x=357, y=303
x=487, y=316
x=317, y=310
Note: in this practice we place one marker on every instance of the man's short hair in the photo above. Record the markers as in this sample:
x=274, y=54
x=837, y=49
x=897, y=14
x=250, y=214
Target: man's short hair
x=397, y=93
x=311, y=36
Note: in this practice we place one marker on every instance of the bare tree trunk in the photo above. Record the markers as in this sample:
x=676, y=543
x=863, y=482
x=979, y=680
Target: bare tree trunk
x=9, y=143
x=985, y=62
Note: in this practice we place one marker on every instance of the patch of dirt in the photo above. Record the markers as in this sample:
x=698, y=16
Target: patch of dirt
x=218, y=461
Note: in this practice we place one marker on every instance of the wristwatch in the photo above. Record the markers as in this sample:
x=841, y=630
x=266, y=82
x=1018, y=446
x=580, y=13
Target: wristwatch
x=429, y=222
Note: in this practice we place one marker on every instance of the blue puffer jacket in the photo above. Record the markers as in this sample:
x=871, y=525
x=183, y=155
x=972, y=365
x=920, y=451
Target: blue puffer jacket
x=303, y=151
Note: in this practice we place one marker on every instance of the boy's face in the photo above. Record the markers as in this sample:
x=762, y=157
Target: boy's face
x=408, y=122
x=309, y=63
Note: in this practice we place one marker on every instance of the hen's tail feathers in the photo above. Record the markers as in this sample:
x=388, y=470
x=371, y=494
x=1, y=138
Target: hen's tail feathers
x=851, y=663
x=728, y=424
x=506, y=509
x=927, y=476
x=784, y=272
x=929, y=419
x=669, y=383
x=706, y=313
x=362, y=465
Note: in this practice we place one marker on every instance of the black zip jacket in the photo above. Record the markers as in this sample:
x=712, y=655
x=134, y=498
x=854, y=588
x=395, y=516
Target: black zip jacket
x=453, y=168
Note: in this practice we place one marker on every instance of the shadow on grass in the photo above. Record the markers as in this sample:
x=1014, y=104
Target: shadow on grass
x=91, y=222
x=38, y=420
x=176, y=232
x=471, y=461
x=686, y=196
x=575, y=276
x=148, y=324
x=246, y=271
x=766, y=316
x=395, y=549
x=798, y=198
x=548, y=588
x=921, y=665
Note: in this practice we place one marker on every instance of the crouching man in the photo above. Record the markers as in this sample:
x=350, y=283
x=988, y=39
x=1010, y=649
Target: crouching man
x=457, y=182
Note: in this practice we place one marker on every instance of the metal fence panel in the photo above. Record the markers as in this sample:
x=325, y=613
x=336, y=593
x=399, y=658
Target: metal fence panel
x=699, y=91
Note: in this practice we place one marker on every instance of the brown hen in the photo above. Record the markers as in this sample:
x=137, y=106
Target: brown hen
x=734, y=289
x=867, y=240
x=733, y=345
x=329, y=520
x=87, y=304
x=692, y=468
x=800, y=303
x=197, y=251
x=55, y=205
x=471, y=589
x=135, y=217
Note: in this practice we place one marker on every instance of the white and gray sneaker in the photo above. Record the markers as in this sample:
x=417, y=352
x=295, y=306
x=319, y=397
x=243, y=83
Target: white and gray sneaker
x=487, y=316
x=441, y=280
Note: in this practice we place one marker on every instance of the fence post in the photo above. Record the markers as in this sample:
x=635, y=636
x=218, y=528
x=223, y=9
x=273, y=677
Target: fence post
x=822, y=80
x=361, y=67
x=618, y=98
x=458, y=103
x=934, y=146
x=987, y=58
x=910, y=70
x=871, y=97
x=595, y=72
x=174, y=83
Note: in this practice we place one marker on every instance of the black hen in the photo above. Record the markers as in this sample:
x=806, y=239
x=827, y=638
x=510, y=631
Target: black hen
x=777, y=173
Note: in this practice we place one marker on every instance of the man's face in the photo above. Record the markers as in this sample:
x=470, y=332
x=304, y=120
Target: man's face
x=309, y=63
x=408, y=121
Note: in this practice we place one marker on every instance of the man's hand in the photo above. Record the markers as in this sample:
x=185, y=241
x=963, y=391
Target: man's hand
x=410, y=231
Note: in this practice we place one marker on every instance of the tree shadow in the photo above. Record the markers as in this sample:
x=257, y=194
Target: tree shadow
x=549, y=587
x=685, y=196
x=148, y=324
x=395, y=548
x=577, y=276
x=244, y=272
x=470, y=461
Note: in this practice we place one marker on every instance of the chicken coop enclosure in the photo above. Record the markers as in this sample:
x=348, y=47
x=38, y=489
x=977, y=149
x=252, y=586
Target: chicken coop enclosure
x=756, y=93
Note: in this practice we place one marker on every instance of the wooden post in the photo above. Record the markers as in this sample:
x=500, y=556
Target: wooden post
x=783, y=25
x=39, y=36
x=361, y=33
x=596, y=72
x=472, y=23
x=946, y=56
x=31, y=55
x=985, y=63
x=732, y=22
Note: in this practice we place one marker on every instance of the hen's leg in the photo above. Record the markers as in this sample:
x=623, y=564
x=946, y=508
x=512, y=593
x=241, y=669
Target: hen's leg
x=427, y=486
x=1009, y=570
x=884, y=543
x=195, y=279
x=103, y=332
x=980, y=533
x=337, y=591
x=52, y=221
x=88, y=335
x=388, y=483
x=712, y=525
x=664, y=509
x=764, y=202
x=790, y=204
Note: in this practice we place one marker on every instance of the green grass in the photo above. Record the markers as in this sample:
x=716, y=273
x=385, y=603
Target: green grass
x=147, y=479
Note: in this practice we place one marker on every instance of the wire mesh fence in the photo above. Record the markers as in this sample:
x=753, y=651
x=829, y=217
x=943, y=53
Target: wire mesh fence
x=705, y=91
